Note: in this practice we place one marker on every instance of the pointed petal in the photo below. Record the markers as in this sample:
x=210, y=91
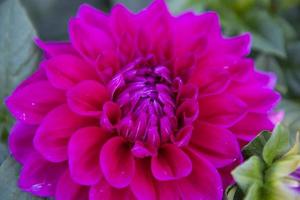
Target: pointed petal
x=64, y=71
x=32, y=102
x=89, y=40
x=250, y=125
x=52, y=49
x=224, y=109
x=216, y=144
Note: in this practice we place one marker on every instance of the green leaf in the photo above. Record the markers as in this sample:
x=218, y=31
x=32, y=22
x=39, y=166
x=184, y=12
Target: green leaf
x=254, y=192
x=51, y=17
x=134, y=5
x=292, y=115
x=9, y=171
x=233, y=192
x=249, y=173
x=19, y=55
x=270, y=64
x=277, y=145
x=255, y=147
x=292, y=69
x=267, y=34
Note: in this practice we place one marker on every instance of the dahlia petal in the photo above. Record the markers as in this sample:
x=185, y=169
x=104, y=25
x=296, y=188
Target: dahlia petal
x=170, y=163
x=39, y=176
x=250, y=125
x=117, y=162
x=105, y=191
x=239, y=45
x=143, y=183
x=29, y=106
x=52, y=49
x=88, y=40
x=141, y=150
x=87, y=98
x=216, y=144
x=241, y=70
x=145, y=187
x=93, y=16
x=67, y=189
x=64, y=71
x=224, y=109
x=20, y=141
x=260, y=100
x=52, y=136
x=124, y=30
x=84, y=161
x=111, y=115
x=194, y=188
x=183, y=136
x=38, y=75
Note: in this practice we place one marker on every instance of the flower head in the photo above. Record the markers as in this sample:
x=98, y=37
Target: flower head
x=138, y=106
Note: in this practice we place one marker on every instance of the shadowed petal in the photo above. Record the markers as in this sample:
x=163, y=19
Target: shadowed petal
x=39, y=176
x=87, y=98
x=117, y=162
x=216, y=144
x=20, y=141
x=84, y=149
x=170, y=163
x=223, y=109
x=67, y=189
x=203, y=182
x=52, y=137
x=105, y=191
x=64, y=71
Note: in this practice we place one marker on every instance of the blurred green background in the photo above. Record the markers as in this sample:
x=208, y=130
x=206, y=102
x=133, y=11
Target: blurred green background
x=274, y=25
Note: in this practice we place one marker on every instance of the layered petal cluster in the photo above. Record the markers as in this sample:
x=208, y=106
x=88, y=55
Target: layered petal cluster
x=138, y=106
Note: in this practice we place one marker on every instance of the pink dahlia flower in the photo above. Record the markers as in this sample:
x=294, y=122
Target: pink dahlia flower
x=138, y=106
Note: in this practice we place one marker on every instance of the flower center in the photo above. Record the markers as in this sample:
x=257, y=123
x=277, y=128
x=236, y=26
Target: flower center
x=147, y=100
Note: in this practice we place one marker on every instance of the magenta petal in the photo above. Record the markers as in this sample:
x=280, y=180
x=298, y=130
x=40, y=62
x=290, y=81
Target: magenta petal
x=52, y=49
x=32, y=102
x=111, y=115
x=52, y=137
x=87, y=98
x=261, y=100
x=93, y=16
x=203, y=182
x=84, y=161
x=67, y=189
x=90, y=41
x=216, y=144
x=20, y=141
x=250, y=125
x=239, y=45
x=143, y=183
x=170, y=163
x=105, y=191
x=64, y=71
x=117, y=162
x=224, y=109
x=39, y=176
